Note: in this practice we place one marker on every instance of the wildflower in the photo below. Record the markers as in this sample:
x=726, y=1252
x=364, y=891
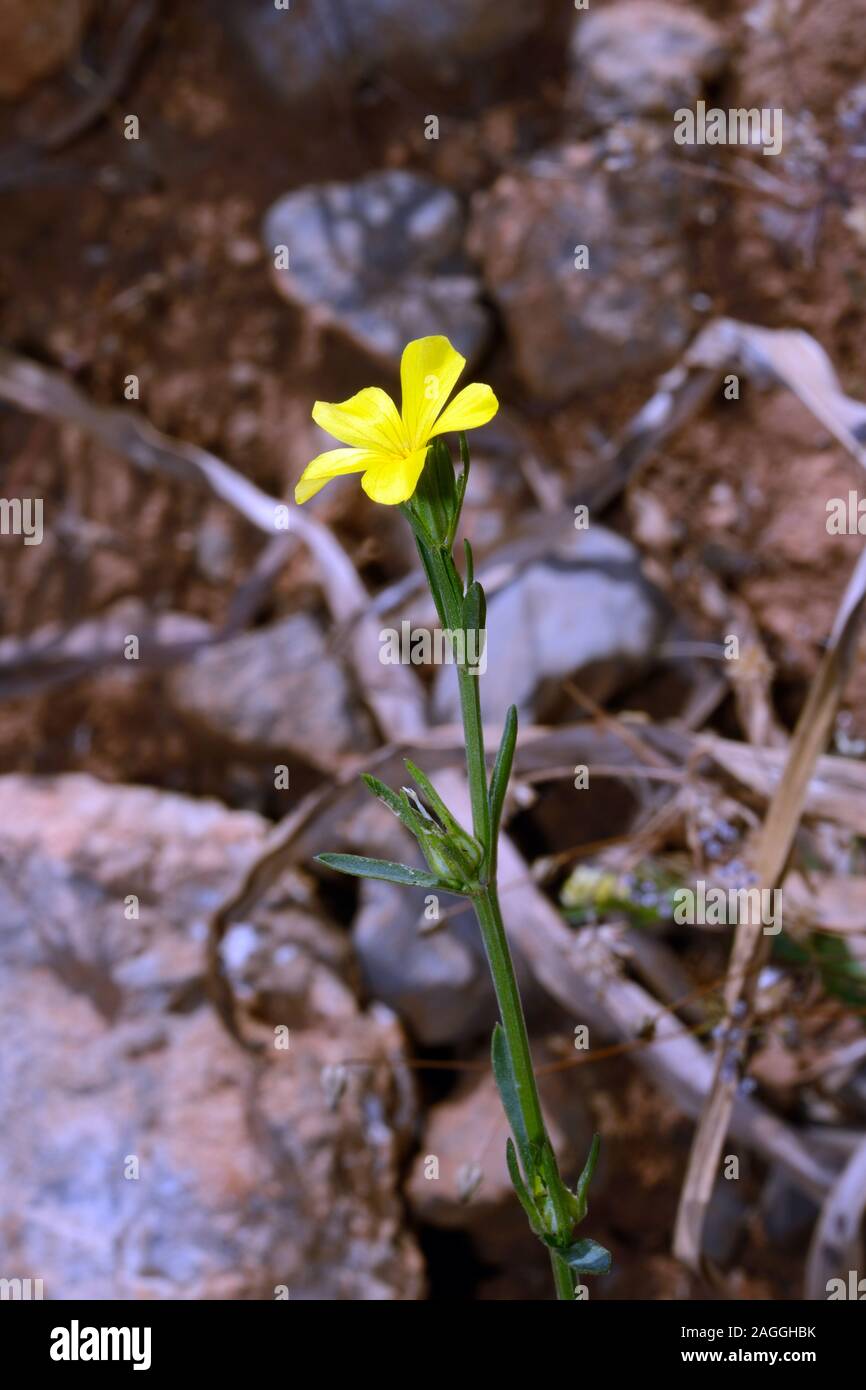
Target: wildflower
x=389, y=446
x=393, y=452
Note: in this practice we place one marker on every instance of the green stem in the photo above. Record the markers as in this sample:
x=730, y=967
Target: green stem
x=510, y=1011
x=447, y=591
x=489, y=915
x=562, y=1277
x=470, y=708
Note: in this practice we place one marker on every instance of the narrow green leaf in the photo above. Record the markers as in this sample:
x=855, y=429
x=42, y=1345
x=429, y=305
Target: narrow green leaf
x=460, y=492
x=464, y=842
x=455, y=586
x=502, y=771
x=506, y=1084
x=361, y=867
x=419, y=527
x=474, y=608
x=464, y=458
x=587, y=1257
x=558, y=1195
x=473, y=619
x=431, y=794
x=470, y=563
x=581, y=1193
x=395, y=803
x=425, y=553
x=521, y=1189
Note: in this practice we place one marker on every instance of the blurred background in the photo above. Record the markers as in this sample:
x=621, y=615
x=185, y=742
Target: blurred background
x=214, y=213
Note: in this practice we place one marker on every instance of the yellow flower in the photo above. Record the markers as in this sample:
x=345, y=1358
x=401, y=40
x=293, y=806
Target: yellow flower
x=389, y=446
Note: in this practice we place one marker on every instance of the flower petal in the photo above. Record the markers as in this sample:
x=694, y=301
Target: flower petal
x=333, y=464
x=392, y=481
x=368, y=420
x=471, y=407
x=429, y=370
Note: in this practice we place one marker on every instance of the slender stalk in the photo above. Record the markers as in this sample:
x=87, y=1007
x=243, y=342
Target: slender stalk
x=470, y=708
x=510, y=1009
x=562, y=1277
x=447, y=590
x=487, y=910
x=447, y=593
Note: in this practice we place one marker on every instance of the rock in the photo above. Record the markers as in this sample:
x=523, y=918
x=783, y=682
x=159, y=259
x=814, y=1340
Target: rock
x=585, y=613
x=625, y=313
x=382, y=259
x=641, y=58
x=36, y=38
x=160, y=1160
x=466, y=1134
x=320, y=46
x=292, y=968
x=724, y=1229
x=438, y=984
x=277, y=687
x=104, y=638
x=788, y=1214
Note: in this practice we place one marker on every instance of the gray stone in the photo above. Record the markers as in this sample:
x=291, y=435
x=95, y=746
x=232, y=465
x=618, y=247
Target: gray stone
x=145, y=1154
x=628, y=313
x=590, y=616
x=278, y=687
x=292, y=968
x=641, y=58
x=322, y=47
x=788, y=1213
x=467, y=1134
x=438, y=984
x=382, y=259
x=725, y=1223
